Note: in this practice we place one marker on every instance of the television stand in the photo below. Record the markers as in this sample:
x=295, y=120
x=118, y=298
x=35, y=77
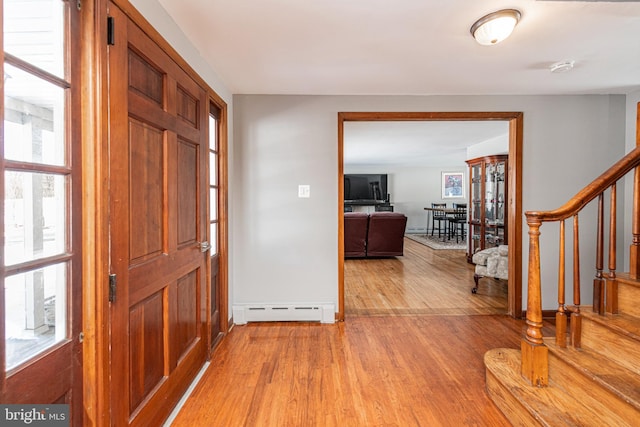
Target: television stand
x=367, y=206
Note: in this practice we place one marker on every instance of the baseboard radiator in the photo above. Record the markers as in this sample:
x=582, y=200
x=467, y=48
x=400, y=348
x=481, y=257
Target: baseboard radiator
x=323, y=313
x=416, y=230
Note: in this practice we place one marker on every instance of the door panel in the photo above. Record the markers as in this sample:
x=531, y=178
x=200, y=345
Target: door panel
x=186, y=332
x=145, y=78
x=37, y=383
x=145, y=343
x=187, y=192
x=157, y=152
x=146, y=175
x=187, y=107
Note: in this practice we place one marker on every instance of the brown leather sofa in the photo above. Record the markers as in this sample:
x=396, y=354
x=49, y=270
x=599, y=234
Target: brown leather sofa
x=382, y=236
x=355, y=234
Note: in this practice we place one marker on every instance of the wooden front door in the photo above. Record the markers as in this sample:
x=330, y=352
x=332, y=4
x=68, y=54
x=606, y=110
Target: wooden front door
x=157, y=148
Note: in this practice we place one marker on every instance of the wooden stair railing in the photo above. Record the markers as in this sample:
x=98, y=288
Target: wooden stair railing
x=535, y=363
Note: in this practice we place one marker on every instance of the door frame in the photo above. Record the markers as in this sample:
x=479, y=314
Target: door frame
x=514, y=218
x=223, y=217
x=95, y=201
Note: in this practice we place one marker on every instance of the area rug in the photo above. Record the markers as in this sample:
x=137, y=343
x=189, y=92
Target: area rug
x=435, y=242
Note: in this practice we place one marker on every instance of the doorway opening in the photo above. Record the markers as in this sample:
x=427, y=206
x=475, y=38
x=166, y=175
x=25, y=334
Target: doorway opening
x=514, y=201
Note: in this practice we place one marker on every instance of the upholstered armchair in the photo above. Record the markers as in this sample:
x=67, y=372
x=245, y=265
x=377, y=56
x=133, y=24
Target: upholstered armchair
x=491, y=262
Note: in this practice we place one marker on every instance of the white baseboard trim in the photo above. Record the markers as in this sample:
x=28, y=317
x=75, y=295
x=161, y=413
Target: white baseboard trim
x=323, y=313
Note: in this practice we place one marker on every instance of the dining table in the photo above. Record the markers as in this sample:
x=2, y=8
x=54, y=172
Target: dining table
x=446, y=211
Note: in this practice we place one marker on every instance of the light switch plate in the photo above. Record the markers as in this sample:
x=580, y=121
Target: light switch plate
x=304, y=191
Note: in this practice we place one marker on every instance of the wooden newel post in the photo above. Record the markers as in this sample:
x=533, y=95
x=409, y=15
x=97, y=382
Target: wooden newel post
x=535, y=361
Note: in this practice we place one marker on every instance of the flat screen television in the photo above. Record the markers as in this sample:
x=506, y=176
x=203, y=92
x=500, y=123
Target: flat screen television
x=365, y=187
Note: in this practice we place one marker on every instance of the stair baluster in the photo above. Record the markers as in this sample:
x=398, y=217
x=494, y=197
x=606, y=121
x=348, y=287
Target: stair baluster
x=576, y=316
x=598, y=281
x=561, y=314
x=611, y=281
x=634, y=251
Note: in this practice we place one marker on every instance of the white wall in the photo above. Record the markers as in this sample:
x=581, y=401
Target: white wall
x=498, y=145
x=630, y=143
x=165, y=25
x=285, y=248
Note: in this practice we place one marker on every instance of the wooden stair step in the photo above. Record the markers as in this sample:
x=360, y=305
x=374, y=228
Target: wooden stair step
x=526, y=405
x=597, y=375
x=628, y=294
x=626, y=278
x=623, y=324
x=614, y=336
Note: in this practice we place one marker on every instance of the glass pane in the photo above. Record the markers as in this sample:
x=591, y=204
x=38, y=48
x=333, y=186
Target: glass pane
x=33, y=118
x=213, y=236
x=213, y=133
x=34, y=32
x=489, y=197
x=500, y=199
x=494, y=236
x=213, y=204
x=475, y=238
x=34, y=216
x=213, y=168
x=35, y=312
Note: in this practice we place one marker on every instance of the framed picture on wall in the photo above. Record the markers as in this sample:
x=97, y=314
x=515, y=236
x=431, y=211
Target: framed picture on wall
x=452, y=185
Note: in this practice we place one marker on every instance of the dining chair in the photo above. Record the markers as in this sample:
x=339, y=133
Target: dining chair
x=439, y=216
x=457, y=221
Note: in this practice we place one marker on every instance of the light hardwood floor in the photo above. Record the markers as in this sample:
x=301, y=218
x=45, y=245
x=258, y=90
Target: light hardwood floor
x=367, y=371
x=423, y=281
x=408, y=354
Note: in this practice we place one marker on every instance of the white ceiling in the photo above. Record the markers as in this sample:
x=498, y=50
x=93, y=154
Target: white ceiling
x=425, y=144
x=412, y=46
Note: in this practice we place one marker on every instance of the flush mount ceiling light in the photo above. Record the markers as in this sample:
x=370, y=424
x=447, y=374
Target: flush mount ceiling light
x=495, y=27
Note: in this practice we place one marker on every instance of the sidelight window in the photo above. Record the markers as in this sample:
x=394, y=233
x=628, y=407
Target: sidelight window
x=37, y=175
x=214, y=186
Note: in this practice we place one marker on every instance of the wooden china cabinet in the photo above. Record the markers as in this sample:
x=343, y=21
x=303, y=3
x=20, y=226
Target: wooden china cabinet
x=488, y=207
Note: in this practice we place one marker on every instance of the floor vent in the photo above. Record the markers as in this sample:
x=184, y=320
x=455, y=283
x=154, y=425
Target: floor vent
x=324, y=313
